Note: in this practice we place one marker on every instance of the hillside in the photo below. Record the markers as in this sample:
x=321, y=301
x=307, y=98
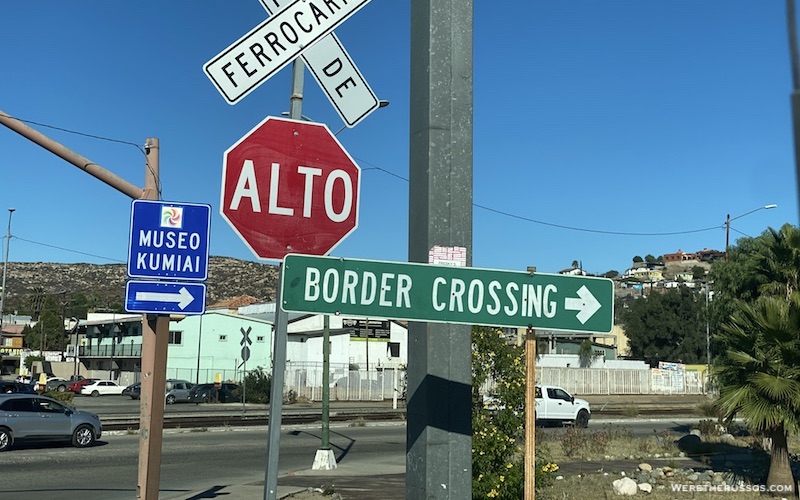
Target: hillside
x=227, y=277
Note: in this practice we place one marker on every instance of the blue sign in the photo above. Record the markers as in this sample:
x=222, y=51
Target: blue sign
x=159, y=297
x=169, y=240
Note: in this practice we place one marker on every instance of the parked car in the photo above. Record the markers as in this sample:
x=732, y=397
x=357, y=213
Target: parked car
x=30, y=417
x=16, y=387
x=132, y=390
x=228, y=392
x=59, y=384
x=177, y=391
x=102, y=388
x=77, y=385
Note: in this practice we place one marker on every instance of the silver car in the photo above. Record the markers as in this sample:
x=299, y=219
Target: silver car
x=177, y=391
x=30, y=417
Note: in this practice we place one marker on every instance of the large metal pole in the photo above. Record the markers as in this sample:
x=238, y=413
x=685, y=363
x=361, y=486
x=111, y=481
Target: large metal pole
x=5, y=271
x=794, y=59
x=439, y=430
x=155, y=334
x=280, y=330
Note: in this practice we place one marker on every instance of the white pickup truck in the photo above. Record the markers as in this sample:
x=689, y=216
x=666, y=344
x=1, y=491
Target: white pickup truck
x=554, y=404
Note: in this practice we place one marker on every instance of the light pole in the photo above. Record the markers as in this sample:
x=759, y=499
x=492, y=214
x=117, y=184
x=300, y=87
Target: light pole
x=728, y=220
x=5, y=269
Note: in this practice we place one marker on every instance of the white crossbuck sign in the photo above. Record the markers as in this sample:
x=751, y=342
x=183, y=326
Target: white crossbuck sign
x=297, y=28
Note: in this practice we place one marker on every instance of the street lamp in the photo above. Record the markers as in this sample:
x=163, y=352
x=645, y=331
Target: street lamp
x=5, y=269
x=729, y=219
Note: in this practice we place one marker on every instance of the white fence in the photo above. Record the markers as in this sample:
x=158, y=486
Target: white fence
x=305, y=380
x=587, y=381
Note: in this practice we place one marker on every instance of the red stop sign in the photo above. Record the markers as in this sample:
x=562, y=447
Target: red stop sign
x=289, y=187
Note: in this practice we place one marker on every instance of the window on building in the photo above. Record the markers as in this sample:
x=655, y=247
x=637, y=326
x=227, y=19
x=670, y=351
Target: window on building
x=394, y=349
x=175, y=337
x=223, y=338
x=260, y=338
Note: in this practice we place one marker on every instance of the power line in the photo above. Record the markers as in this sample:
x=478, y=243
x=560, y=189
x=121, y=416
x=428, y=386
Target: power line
x=551, y=224
x=69, y=250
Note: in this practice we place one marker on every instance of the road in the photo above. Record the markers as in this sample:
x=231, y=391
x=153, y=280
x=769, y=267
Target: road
x=190, y=460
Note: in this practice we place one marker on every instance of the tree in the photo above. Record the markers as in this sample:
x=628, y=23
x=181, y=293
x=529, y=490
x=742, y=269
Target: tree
x=698, y=272
x=637, y=259
x=611, y=274
x=779, y=261
x=586, y=353
x=497, y=464
x=667, y=326
x=650, y=258
x=759, y=376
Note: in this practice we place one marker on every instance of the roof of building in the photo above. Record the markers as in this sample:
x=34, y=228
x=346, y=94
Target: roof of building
x=234, y=302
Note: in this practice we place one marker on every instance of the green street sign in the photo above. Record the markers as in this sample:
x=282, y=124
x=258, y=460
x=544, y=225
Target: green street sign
x=445, y=294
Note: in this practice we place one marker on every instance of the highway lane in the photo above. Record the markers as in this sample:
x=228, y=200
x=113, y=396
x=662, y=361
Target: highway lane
x=190, y=460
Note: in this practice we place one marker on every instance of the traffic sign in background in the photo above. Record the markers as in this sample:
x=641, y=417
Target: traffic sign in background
x=425, y=292
x=169, y=240
x=159, y=297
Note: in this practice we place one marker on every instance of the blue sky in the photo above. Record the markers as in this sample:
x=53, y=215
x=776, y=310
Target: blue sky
x=596, y=125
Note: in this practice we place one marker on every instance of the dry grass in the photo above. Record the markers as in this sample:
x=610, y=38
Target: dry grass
x=595, y=486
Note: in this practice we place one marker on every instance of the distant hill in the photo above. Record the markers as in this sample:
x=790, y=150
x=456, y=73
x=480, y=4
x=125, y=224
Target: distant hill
x=227, y=277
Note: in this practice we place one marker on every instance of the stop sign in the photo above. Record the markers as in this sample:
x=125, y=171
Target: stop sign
x=290, y=187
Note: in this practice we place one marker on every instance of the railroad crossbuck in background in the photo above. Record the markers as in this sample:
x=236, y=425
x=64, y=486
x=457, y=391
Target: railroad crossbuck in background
x=424, y=292
x=169, y=246
x=295, y=27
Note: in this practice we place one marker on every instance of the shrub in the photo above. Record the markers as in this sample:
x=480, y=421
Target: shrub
x=572, y=441
x=258, y=385
x=64, y=397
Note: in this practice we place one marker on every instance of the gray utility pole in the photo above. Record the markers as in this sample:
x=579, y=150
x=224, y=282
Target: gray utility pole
x=439, y=429
x=155, y=328
x=280, y=330
x=5, y=271
x=794, y=61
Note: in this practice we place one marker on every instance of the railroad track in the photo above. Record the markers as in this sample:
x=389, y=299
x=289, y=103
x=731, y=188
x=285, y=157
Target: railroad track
x=245, y=420
x=231, y=419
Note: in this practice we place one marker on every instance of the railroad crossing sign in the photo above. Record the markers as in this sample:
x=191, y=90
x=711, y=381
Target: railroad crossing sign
x=245, y=343
x=289, y=186
x=424, y=292
x=336, y=74
x=260, y=53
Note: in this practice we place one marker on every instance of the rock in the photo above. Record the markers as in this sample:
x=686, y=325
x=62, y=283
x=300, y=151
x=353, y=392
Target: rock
x=622, y=474
x=693, y=477
x=625, y=486
x=646, y=487
x=727, y=438
x=695, y=432
x=645, y=466
x=559, y=478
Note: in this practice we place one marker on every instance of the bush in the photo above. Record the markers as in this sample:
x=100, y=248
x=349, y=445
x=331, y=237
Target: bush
x=258, y=384
x=64, y=397
x=572, y=441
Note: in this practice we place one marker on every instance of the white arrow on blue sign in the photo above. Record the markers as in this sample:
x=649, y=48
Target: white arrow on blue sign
x=169, y=240
x=158, y=297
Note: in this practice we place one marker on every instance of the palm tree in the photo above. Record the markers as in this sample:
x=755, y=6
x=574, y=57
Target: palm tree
x=779, y=261
x=759, y=376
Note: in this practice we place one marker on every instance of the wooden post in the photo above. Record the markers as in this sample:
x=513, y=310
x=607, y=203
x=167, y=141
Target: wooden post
x=530, y=415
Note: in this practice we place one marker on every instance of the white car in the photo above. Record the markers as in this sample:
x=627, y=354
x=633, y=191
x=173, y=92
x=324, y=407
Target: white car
x=102, y=388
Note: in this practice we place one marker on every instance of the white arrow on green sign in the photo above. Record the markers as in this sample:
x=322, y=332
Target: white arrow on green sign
x=444, y=294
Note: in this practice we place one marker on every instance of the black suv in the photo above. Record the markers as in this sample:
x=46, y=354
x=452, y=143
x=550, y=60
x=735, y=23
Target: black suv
x=7, y=387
